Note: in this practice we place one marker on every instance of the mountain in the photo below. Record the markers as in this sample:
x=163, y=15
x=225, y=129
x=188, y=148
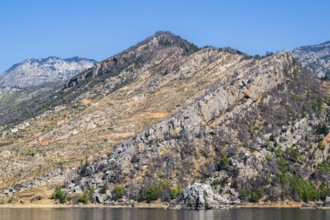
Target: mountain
x=36, y=72
x=165, y=116
x=315, y=57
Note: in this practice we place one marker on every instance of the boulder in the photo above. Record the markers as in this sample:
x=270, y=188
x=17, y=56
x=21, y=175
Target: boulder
x=77, y=189
x=98, y=198
x=200, y=196
x=327, y=201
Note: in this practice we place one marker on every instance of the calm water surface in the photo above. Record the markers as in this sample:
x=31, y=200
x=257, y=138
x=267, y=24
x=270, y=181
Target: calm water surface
x=161, y=214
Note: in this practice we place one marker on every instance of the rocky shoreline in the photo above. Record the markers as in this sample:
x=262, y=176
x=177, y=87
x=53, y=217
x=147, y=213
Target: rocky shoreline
x=194, y=197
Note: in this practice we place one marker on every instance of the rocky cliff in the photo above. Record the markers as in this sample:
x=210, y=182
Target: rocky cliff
x=163, y=115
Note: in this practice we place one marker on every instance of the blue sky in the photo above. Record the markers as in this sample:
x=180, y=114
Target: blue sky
x=101, y=28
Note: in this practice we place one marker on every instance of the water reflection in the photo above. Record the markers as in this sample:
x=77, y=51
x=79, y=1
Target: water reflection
x=160, y=214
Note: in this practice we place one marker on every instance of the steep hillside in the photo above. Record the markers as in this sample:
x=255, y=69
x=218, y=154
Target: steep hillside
x=164, y=114
x=260, y=133
x=316, y=58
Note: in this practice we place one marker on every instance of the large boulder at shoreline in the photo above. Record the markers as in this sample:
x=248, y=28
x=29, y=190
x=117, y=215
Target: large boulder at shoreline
x=200, y=196
x=327, y=201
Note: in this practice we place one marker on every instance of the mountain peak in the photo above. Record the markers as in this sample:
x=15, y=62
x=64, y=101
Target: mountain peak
x=164, y=33
x=163, y=39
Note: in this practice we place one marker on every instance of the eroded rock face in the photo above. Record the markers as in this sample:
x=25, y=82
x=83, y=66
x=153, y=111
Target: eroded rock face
x=200, y=196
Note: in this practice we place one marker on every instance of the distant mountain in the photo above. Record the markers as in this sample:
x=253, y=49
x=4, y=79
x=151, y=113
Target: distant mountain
x=35, y=72
x=315, y=57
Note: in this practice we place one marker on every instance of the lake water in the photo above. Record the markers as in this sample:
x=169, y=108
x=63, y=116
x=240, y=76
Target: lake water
x=160, y=214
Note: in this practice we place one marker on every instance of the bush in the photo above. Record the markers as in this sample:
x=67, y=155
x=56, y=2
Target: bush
x=83, y=167
x=321, y=146
x=223, y=163
x=244, y=194
x=118, y=192
x=59, y=194
x=294, y=153
x=322, y=129
x=175, y=191
x=215, y=183
x=324, y=191
x=83, y=198
x=283, y=165
x=149, y=194
x=159, y=190
x=317, y=105
x=255, y=196
x=104, y=189
x=324, y=168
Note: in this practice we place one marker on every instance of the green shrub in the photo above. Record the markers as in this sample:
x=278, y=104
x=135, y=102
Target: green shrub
x=175, y=191
x=295, y=98
x=223, y=163
x=324, y=191
x=59, y=194
x=244, y=194
x=104, y=189
x=322, y=129
x=254, y=197
x=83, y=167
x=324, y=168
x=83, y=198
x=215, y=182
x=87, y=196
x=327, y=100
x=294, y=153
x=321, y=146
x=149, y=194
x=317, y=105
x=283, y=166
x=118, y=192
x=159, y=190
x=269, y=158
